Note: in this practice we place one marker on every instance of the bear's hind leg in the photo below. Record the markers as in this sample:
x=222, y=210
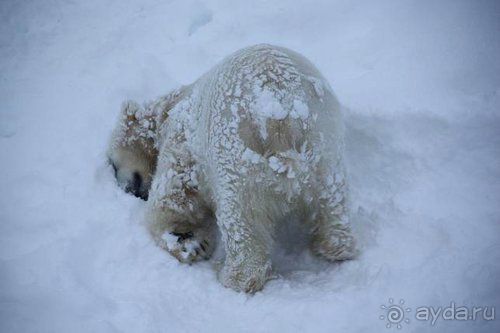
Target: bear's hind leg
x=331, y=235
x=247, y=266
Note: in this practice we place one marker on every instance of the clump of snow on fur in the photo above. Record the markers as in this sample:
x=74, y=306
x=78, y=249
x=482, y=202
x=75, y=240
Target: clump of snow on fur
x=266, y=106
x=170, y=241
x=276, y=164
x=251, y=156
x=300, y=110
x=318, y=85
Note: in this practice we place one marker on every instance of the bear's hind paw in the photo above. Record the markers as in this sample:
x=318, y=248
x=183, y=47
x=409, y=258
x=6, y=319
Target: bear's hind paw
x=246, y=277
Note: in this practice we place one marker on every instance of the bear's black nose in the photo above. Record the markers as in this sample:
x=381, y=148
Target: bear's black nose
x=136, y=181
x=134, y=187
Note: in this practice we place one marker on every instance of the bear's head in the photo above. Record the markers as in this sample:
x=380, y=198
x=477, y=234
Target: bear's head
x=132, y=152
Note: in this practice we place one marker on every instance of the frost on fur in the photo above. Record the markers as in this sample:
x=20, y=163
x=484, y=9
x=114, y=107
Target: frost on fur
x=257, y=137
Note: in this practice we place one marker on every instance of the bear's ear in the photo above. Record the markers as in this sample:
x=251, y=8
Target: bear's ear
x=135, y=130
x=130, y=111
x=131, y=117
x=138, y=122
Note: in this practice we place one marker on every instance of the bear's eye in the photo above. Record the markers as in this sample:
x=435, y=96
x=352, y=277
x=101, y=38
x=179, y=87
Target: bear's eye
x=115, y=169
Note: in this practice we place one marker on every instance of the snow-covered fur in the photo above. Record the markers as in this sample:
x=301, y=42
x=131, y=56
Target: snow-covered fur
x=257, y=138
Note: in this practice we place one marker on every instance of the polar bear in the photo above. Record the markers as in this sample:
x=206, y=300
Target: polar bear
x=255, y=139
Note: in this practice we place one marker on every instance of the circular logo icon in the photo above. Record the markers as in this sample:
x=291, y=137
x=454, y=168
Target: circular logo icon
x=395, y=314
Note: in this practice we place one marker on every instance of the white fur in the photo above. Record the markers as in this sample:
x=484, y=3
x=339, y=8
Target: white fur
x=257, y=138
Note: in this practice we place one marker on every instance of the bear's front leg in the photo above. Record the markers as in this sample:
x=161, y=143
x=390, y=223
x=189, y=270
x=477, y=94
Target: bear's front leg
x=188, y=247
x=178, y=218
x=247, y=266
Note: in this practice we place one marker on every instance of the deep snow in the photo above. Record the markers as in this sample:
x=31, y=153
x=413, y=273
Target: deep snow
x=420, y=83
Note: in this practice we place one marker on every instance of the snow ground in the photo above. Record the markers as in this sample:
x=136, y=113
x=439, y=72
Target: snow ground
x=420, y=81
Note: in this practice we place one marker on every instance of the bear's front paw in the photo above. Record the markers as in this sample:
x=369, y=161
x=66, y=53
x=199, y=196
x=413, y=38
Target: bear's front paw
x=245, y=275
x=187, y=247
